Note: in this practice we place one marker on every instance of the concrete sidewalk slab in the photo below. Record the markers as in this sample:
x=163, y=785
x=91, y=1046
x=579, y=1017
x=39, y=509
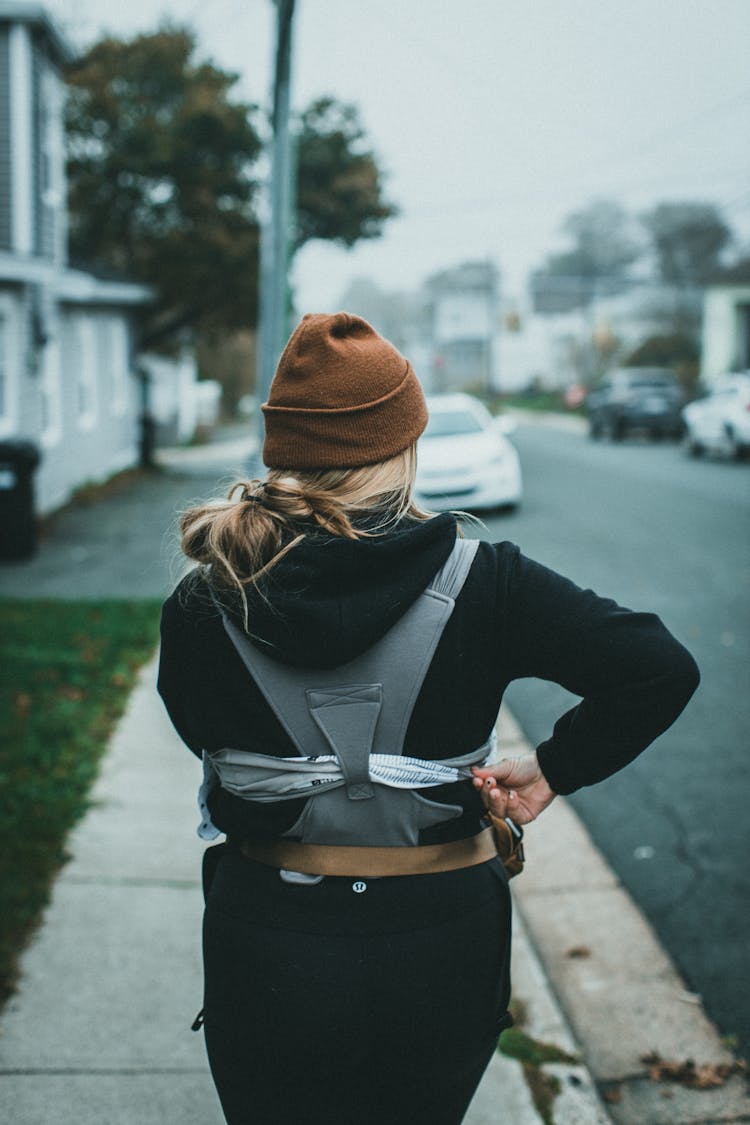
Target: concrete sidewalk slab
x=110, y=1099
x=127, y=544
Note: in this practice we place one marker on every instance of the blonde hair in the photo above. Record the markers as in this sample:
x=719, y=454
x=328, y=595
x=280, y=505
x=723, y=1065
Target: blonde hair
x=242, y=537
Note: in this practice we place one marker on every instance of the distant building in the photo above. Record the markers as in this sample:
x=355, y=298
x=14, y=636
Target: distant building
x=726, y=330
x=465, y=324
x=68, y=373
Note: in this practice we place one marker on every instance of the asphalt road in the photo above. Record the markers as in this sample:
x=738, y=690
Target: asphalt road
x=644, y=524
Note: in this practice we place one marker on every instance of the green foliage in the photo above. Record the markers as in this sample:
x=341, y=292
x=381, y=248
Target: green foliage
x=688, y=240
x=67, y=670
x=602, y=248
x=677, y=350
x=603, y=245
x=159, y=173
x=516, y=1044
x=544, y=1089
x=532, y=1055
x=339, y=190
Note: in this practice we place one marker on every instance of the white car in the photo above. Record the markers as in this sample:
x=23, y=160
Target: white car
x=464, y=460
x=720, y=422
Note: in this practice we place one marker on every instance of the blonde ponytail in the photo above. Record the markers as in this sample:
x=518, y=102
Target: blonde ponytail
x=238, y=540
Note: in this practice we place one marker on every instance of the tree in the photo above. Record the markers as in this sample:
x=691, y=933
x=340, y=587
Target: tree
x=602, y=249
x=678, y=350
x=339, y=189
x=161, y=169
x=160, y=161
x=603, y=245
x=688, y=240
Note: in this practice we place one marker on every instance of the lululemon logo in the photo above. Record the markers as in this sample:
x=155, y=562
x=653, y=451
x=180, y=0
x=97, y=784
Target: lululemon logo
x=359, y=886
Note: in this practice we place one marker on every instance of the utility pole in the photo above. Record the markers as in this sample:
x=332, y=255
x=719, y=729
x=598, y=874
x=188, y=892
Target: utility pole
x=274, y=247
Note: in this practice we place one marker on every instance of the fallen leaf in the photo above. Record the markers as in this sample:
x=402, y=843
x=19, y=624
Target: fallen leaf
x=22, y=704
x=578, y=952
x=71, y=692
x=705, y=1076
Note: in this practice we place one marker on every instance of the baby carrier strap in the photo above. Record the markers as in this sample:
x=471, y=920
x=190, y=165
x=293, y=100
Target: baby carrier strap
x=450, y=579
x=360, y=708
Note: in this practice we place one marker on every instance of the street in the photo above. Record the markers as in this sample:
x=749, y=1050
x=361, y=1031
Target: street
x=655, y=530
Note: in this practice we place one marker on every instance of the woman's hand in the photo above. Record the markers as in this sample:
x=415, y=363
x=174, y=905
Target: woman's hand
x=514, y=787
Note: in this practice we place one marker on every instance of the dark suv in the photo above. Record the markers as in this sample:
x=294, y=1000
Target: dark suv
x=636, y=398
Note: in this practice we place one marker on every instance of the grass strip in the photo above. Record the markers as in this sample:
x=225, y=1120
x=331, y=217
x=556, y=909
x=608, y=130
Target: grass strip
x=516, y=1044
x=67, y=670
x=532, y=1055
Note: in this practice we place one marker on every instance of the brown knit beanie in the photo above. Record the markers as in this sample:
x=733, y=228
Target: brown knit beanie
x=342, y=397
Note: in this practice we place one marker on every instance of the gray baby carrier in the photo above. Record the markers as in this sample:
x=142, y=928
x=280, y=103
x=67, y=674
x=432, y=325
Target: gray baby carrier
x=348, y=726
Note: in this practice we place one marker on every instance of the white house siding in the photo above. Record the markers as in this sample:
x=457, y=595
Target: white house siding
x=172, y=396
x=48, y=160
x=20, y=75
x=11, y=359
x=464, y=316
x=5, y=172
x=41, y=399
x=97, y=435
x=726, y=331
x=26, y=418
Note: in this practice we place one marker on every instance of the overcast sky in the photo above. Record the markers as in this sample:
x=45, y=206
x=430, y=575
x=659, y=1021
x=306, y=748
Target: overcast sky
x=494, y=118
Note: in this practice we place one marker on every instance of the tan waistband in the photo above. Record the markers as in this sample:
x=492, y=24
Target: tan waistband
x=321, y=859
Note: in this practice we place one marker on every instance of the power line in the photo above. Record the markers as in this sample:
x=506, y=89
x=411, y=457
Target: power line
x=542, y=195
x=655, y=139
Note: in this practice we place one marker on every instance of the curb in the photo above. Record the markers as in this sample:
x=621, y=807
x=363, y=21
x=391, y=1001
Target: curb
x=558, y=1093
x=615, y=983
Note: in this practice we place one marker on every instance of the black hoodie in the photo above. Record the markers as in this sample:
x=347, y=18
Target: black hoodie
x=330, y=599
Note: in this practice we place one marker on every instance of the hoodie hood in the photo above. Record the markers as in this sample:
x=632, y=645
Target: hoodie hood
x=330, y=598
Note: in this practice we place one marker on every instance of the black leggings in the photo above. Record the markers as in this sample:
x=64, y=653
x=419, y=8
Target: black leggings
x=329, y=1006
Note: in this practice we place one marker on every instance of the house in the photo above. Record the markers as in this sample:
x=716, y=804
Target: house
x=69, y=378
x=726, y=328
x=465, y=324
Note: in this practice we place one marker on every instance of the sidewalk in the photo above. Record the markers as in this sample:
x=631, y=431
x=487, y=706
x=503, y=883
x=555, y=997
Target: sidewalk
x=127, y=545
x=99, y=1030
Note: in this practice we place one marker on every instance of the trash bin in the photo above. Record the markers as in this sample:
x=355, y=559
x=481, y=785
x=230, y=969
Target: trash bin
x=18, y=536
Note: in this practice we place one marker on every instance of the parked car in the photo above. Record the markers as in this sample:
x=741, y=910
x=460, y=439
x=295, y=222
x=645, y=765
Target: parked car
x=648, y=399
x=720, y=422
x=464, y=460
